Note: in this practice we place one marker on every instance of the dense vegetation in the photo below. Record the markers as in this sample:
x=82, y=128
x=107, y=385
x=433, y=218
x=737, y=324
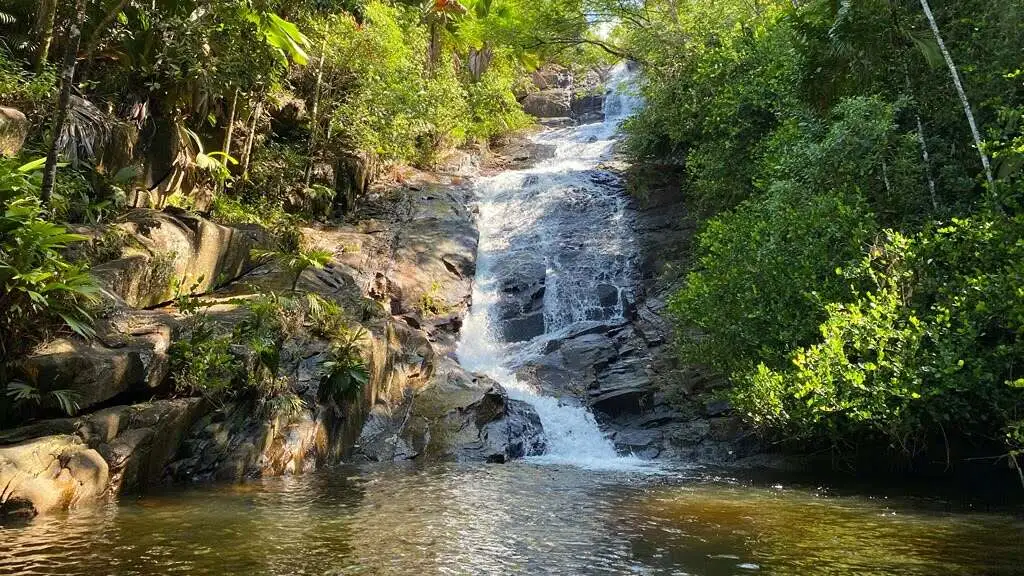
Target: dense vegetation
x=267, y=112
x=858, y=272
x=856, y=168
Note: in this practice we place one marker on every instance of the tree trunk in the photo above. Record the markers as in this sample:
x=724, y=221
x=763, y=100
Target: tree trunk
x=67, y=79
x=226, y=147
x=434, y=48
x=313, y=119
x=960, y=92
x=247, y=151
x=479, y=61
x=44, y=31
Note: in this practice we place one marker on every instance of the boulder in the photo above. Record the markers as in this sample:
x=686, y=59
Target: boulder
x=588, y=350
x=496, y=429
x=139, y=441
x=549, y=103
x=50, y=474
x=353, y=175
x=552, y=76
x=244, y=440
x=129, y=356
x=587, y=107
x=173, y=244
x=13, y=131
x=458, y=416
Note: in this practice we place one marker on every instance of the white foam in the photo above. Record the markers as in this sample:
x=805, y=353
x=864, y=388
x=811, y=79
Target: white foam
x=519, y=221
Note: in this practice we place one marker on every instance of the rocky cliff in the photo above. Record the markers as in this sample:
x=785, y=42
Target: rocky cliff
x=404, y=262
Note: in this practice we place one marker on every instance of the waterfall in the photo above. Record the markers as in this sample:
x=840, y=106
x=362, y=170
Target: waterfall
x=556, y=248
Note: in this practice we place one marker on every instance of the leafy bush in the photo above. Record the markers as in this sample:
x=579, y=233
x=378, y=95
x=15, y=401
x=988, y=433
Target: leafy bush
x=201, y=362
x=343, y=375
x=764, y=271
x=295, y=263
x=930, y=349
x=493, y=107
x=41, y=289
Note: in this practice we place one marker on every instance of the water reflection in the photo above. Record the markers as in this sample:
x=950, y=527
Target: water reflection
x=515, y=519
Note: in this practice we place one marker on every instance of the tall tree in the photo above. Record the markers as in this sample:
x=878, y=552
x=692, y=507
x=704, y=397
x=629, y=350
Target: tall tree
x=44, y=31
x=960, y=92
x=67, y=79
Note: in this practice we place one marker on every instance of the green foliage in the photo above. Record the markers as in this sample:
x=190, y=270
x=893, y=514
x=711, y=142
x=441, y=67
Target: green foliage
x=805, y=130
x=764, y=271
x=493, y=107
x=24, y=398
x=326, y=317
x=431, y=302
x=931, y=346
x=201, y=361
x=295, y=263
x=388, y=106
x=41, y=289
x=30, y=93
x=343, y=375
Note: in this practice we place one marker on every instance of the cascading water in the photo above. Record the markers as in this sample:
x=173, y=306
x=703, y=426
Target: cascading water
x=556, y=249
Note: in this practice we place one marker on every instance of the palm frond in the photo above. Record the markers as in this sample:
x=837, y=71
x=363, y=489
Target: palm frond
x=84, y=133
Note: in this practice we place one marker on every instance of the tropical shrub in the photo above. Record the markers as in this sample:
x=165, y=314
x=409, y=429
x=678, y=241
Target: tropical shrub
x=343, y=375
x=42, y=290
x=201, y=361
x=931, y=349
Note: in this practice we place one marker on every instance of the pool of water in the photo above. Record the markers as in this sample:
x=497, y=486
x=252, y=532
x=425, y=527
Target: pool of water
x=520, y=518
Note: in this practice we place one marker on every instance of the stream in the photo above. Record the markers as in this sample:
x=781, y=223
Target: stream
x=556, y=249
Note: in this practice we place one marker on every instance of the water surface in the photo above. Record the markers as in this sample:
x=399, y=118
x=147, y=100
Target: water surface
x=520, y=518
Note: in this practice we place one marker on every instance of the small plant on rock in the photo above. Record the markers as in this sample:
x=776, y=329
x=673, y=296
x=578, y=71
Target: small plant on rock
x=344, y=374
x=295, y=263
x=202, y=361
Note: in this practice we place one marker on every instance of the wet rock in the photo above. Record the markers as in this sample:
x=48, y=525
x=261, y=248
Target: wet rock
x=139, y=441
x=642, y=443
x=242, y=441
x=548, y=103
x=717, y=407
x=725, y=429
x=588, y=350
x=690, y=433
x=587, y=107
x=559, y=122
x=607, y=295
x=458, y=416
x=497, y=429
x=617, y=401
x=13, y=131
x=50, y=474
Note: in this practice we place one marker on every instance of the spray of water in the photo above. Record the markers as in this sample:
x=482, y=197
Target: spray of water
x=568, y=217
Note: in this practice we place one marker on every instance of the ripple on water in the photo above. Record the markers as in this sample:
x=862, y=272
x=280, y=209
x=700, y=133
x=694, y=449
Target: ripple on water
x=512, y=519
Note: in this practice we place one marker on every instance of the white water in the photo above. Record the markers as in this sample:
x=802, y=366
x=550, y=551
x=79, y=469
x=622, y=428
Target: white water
x=568, y=217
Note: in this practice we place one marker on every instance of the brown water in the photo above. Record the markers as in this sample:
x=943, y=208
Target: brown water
x=514, y=519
